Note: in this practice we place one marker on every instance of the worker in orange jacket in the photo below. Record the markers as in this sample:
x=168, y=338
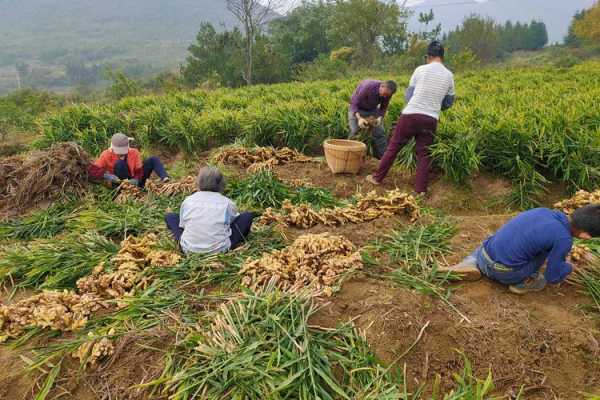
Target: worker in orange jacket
x=123, y=163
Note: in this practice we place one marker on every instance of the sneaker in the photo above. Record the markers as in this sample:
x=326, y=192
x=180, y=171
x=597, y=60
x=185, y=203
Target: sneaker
x=533, y=284
x=372, y=180
x=465, y=270
x=166, y=179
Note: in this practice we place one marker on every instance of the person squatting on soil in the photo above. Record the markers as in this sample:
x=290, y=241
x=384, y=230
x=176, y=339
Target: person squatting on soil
x=368, y=106
x=515, y=254
x=431, y=90
x=121, y=162
x=208, y=221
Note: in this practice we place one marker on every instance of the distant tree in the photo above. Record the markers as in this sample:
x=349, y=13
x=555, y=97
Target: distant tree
x=477, y=34
x=571, y=39
x=303, y=33
x=252, y=15
x=363, y=24
x=588, y=27
x=425, y=33
x=215, y=54
x=539, y=35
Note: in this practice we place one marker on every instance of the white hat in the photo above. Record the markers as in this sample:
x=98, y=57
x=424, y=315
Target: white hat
x=120, y=144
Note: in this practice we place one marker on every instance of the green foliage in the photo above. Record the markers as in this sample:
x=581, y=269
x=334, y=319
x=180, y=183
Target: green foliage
x=488, y=40
x=217, y=55
x=317, y=197
x=117, y=220
x=39, y=225
x=121, y=86
x=489, y=128
x=54, y=264
x=19, y=110
x=262, y=346
x=259, y=191
x=359, y=23
x=417, y=245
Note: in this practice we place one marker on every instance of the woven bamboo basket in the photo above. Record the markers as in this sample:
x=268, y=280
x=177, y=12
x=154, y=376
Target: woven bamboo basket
x=344, y=156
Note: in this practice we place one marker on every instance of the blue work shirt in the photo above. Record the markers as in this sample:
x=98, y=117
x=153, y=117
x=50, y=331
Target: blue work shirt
x=529, y=236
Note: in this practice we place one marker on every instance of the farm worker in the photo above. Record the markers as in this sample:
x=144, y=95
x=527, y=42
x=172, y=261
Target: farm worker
x=515, y=254
x=431, y=90
x=122, y=162
x=208, y=221
x=368, y=106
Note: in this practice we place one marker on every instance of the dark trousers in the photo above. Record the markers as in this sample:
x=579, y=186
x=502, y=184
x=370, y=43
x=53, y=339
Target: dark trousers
x=151, y=164
x=240, y=227
x=422, y=128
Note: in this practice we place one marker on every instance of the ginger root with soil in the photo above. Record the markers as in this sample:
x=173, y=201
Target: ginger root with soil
x=259, y=158
x=368, y=207
x=313, y=262
x=581, y=199
x=28, y=179
x=135, y=255
x=64, y=311
x=92, y=352
x=128, y=191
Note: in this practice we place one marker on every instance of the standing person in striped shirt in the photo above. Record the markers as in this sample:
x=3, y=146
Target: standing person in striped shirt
x=430, y=91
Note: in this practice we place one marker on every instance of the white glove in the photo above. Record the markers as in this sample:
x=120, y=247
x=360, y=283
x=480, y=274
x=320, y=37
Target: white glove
x=378, y=121
x=363, y=123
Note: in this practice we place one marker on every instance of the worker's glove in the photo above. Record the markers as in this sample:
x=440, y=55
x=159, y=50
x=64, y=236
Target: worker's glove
x=134, y=181
x=363, y=123
x=378, y=121
x=111, y=178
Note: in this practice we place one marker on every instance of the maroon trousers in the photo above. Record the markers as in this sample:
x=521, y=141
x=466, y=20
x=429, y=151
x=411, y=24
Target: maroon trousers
x=422, y=128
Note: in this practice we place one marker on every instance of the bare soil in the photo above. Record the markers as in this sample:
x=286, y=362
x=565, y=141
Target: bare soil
x=543, y=343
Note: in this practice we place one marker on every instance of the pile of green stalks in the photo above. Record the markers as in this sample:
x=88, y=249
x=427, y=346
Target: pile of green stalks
x=261, y=346
x=117, y=220
x=41, y=224
x=588, y=276
x=263, y=190
x=56, y=263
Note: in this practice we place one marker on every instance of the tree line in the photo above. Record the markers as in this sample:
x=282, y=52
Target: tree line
x=323, y=39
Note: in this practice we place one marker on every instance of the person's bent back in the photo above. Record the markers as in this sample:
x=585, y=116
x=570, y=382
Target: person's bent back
x=209, y=221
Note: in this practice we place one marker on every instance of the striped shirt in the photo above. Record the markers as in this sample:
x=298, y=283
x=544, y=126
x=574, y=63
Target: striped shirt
x=429, y=85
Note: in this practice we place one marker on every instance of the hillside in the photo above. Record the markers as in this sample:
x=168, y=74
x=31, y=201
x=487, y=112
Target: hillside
x=555, y=13
x=153, y=31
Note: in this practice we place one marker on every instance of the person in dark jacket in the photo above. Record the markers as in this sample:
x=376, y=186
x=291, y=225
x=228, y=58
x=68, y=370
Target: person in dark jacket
x=368, y=106
x=123, y=163
x=515, y=254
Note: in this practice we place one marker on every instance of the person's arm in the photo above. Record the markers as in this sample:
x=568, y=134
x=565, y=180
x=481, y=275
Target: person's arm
x=558, y=269
x=100, y=169
x=412, y=84
x=383, y=107
x=449, y=99
x=356, y=97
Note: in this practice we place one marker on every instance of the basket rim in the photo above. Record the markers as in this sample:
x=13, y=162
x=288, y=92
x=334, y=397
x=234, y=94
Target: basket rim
x=350, y=145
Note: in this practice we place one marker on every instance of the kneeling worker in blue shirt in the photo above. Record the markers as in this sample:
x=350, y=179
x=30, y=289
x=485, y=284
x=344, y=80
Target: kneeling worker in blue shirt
x=515, y=254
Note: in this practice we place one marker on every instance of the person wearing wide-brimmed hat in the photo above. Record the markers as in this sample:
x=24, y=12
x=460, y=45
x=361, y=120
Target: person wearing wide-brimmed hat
x=124, y=163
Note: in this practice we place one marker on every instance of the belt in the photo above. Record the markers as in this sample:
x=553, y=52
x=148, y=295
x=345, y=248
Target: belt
x=497, y=266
